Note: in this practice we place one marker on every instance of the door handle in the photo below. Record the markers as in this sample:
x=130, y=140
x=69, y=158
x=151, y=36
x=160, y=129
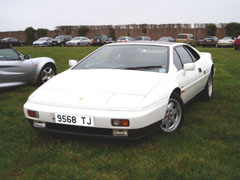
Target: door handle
x=199, y=70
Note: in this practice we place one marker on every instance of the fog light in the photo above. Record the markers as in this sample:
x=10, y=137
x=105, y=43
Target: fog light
x=120, y=122
x=39, y=124
x=33, y=114
x=120, y=132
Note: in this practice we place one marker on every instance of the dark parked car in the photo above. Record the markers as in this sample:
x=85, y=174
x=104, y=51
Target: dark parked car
x=210, y=41
x=12, y=41
x=167, y=39
x=142, y=38
x=99, y=40
x=200, y=42
x=61, y=40
x=237, y=43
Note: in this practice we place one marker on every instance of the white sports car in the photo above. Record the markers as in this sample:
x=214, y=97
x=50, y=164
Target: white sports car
x=125, y=91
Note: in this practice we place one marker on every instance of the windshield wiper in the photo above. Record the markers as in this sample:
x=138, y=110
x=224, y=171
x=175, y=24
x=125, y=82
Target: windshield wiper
x=140, y=67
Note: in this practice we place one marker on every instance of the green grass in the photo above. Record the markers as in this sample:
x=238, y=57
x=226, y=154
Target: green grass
x=207, y=147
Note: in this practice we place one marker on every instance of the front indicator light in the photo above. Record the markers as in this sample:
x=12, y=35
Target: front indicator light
x=33, y=114
x=120, y=132
x=120, y=122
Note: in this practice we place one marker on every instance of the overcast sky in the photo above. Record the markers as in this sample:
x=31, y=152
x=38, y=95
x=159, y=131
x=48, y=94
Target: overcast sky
x=20, y=14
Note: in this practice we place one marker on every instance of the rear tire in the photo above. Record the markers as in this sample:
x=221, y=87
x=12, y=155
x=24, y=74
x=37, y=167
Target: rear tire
x=174, y=114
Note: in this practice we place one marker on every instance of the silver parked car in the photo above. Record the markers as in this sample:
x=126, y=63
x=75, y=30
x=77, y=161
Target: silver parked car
x=79, y=41
x=17, y=69
x=43, y=42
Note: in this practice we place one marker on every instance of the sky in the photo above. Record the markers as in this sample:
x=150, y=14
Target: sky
x=19, y=14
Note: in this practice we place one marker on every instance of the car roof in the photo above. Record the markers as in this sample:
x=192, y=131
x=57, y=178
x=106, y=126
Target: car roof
x=159, y=43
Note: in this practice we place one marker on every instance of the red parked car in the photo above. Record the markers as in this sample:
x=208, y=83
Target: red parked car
x=237, y=43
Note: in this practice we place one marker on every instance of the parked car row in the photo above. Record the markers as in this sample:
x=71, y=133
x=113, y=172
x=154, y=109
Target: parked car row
x=101, y=39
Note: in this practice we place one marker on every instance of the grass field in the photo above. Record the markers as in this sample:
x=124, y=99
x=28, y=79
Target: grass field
x=207, y=147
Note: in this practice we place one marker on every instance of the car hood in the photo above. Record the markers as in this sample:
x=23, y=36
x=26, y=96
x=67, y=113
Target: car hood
x=97, y=88
x=226, y=41
x=73, y=41
x=39, y=42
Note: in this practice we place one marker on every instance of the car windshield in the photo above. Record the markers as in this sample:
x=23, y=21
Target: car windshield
x=122, y=38
x=132, y=57
x=138, y=38
x=225, y=38
x=59, y=37
x=182, y=36
x=76, y=38
x=97, y=37
x=42, y=39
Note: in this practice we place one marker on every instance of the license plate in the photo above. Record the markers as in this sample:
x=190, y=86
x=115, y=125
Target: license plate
x=209, y=41
x=74, y=120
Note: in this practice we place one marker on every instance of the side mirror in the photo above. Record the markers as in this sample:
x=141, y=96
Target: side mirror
x=72, y=62
x=27, y=56
x=188, y=67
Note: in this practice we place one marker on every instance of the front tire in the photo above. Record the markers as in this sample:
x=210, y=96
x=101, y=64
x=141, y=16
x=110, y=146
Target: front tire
x=47, y=72
x=174, y=114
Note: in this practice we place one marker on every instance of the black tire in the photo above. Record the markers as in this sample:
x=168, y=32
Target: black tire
x=47, y=72
x=174, y=114
x=78, y=44
x=208, y=90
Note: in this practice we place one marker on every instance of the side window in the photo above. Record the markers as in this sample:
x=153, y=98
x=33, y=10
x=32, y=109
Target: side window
x=184, y=55
x=194, y=55
x=8, y=55
x=176, y=60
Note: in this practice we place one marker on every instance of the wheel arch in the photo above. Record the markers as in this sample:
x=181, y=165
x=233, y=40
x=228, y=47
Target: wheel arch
x=39, y=64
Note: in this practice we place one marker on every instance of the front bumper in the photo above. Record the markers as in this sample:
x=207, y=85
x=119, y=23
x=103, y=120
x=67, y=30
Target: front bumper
x=225, y=45
x=142, y=122
x=133, y=134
